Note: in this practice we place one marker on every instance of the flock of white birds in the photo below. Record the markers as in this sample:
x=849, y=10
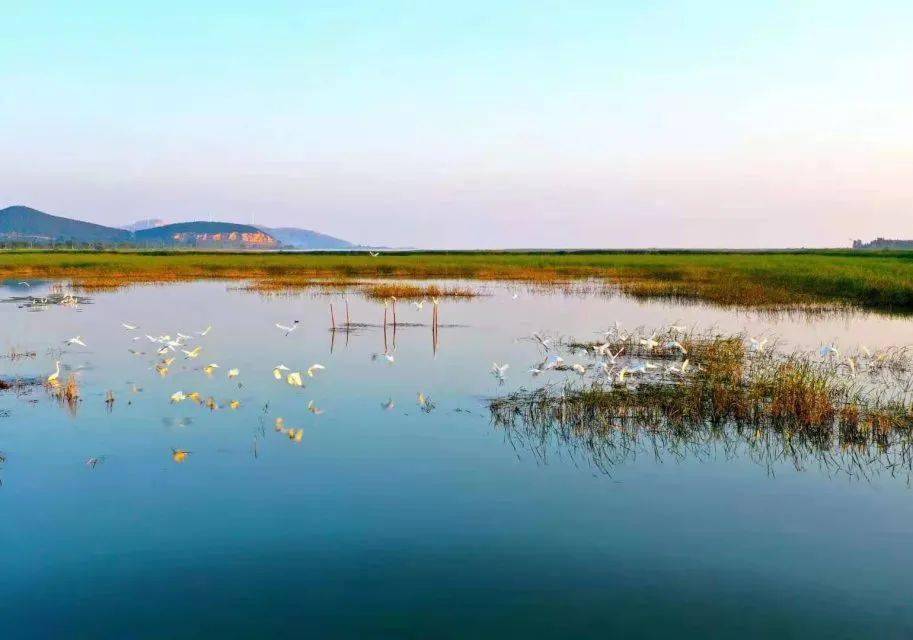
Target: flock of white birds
x=606, y=360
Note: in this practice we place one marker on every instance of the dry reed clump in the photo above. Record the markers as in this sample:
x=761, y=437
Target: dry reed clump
x=67, y=393
x=408, y=291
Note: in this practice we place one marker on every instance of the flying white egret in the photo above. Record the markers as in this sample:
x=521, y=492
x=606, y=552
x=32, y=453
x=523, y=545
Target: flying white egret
x=128, y=326
x=233, y=373
x=205, y=331
x=373, y=254
x=579, y=368
x=277, y=372
x=553, y=361
x=76, y=340
x=294, y=379
x=313, y=408
x=498, y=370
x=208, y=369
x=419, y=305
x=193, y=353
x=545, y=342
x=286, y=328
x=313, y=368
x=386, y=406
x=178, y=396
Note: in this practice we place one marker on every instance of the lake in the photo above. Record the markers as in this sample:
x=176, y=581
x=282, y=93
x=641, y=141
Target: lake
x=408, y=520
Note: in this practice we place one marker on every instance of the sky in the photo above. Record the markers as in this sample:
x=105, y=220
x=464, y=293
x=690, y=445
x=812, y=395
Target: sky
x=472, y=124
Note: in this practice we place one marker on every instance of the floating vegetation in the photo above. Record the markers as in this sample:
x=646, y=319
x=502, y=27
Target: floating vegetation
x=841, y=412
x=19, y=385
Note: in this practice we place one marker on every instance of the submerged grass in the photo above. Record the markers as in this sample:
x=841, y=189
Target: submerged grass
x=875, y=280
x=796, y=405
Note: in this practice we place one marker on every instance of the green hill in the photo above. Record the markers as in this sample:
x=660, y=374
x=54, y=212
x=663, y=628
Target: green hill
x=25, y=224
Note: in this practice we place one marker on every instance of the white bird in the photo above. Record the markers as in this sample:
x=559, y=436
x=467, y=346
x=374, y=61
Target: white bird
x=498, y=370
x=418, y=305
x=829, y=350
x=623, y=374
x=313, y=368
x=128, y=326
x=553, y=361
x=53, y=377
x=178, y=396
x=680, y=370
x=294, y=379
x=205, y=331
x=313, y=408
x=76, y=340
x=386, y=356
x=386, y=406
x=208, y=369
x=579, y=368
x=650, y=342
x=535, y=371
x=233, y=373
x=277, y=372
x=373, y=254
x=25, y=284
x=286, y=328
x=613, y=356
x=545, y=342
x=515, y=296
x=757, y=344
x=193, y=353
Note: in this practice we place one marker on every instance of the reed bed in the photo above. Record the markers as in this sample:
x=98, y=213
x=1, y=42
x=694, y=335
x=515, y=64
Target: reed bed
x=873, y=280
x=796, y=406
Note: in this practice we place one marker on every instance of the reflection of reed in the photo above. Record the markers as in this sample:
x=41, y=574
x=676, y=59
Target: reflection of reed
x=607, y=444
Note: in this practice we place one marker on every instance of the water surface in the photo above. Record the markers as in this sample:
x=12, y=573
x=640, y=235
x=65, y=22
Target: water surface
x=402, y=522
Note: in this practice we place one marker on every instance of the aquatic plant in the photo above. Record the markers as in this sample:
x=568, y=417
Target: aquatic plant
x=797, y=405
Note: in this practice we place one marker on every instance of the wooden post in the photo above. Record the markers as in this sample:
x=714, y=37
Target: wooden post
x=332, y=317
x=394, y=315
x=347, y=314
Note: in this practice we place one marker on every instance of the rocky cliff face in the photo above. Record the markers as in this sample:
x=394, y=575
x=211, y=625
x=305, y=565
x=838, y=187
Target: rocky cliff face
x=258, y=240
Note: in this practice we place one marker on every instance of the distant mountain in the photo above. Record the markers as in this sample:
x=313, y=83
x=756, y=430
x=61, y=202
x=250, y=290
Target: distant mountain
x=141, y=225
x=207, y=234
x=305, y=238
x=25, y=224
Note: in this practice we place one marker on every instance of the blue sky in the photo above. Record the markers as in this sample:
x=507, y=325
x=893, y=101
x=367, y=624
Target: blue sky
x=473, y=124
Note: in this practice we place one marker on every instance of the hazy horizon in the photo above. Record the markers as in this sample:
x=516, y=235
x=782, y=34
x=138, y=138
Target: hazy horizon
x=561, y=125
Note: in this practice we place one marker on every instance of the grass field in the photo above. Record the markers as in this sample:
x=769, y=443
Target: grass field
x=873, y=280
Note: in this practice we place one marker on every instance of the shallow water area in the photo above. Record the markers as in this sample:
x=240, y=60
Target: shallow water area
x=389, y=516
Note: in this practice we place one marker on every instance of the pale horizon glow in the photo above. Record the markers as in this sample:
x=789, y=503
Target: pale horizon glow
x=468, y=125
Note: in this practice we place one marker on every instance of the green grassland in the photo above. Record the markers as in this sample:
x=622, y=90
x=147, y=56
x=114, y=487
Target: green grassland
x=873, y=280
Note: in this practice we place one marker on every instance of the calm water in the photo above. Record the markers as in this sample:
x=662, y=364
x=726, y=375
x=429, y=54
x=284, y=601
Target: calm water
x=400, y=522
